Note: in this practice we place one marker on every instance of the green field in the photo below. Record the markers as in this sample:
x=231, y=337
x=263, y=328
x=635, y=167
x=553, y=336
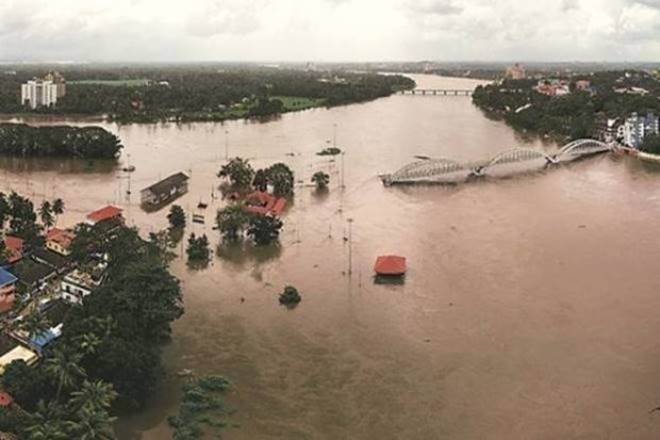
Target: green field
x=114, y=82
x=293, y=103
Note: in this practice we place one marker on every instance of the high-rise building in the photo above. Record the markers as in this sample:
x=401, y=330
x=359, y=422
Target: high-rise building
x=637, y=127
x=515, y=72
x=59, y=81
x=38, y=93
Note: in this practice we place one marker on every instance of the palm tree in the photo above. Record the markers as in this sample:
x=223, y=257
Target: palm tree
x=46, y=423
x=89, y=342
x=57, y=208
x=46, y=214
x=93, y=395
x=34, y=324
x=65, y=368
x=92, y=424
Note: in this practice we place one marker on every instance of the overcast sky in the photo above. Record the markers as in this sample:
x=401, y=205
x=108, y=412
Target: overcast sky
x=330, y=30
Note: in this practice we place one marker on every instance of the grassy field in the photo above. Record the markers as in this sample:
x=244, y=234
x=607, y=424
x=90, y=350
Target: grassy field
x=118, y=82
x=293, y=103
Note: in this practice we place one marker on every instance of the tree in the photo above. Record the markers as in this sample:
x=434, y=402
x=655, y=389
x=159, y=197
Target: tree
x=321, y=179
x=177, y=217
x=282, y=179
x=47, y=423
x=239, y=171
x=260, y=181
x=65, y=368
x=93, y=395
x=198, y=248
x=264, y=229
x=290, y=297
x=5, y=210
x=651, y=144
x=91, y=423
x=46, y=214
x=231, y=221
x=58, y=206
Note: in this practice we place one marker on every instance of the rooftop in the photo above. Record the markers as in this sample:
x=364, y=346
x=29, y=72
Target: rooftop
x=390, y=265
x=30, y=272
x=6, y=278
x=63, y=237
x=15, y=246
x=165, y=185
x=50, y=258
x=105, y=213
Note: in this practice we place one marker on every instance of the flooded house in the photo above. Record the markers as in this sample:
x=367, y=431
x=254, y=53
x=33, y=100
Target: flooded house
x=165, y=191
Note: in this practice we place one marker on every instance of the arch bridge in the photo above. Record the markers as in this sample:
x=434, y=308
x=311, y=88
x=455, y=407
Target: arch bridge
x=438, y=170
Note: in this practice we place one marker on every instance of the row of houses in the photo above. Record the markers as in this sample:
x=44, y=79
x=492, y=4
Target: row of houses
x=48, y=280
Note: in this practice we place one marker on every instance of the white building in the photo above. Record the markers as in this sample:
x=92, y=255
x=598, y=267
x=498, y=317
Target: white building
x=38, y=93
x=636, y=128
x=77, y=285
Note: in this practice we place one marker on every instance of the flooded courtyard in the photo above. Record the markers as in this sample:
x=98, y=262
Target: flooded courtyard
x=530, y=309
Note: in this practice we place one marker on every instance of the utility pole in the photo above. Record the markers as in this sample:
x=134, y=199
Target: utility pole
x=226, y=144
x=342, y=171
x=350, y=246
x=334, y=135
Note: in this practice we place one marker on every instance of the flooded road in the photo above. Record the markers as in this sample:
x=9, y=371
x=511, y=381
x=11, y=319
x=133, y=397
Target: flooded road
x=530, y=309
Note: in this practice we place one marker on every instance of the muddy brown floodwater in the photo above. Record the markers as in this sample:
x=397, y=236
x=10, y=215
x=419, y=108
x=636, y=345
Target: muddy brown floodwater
x=530, y=310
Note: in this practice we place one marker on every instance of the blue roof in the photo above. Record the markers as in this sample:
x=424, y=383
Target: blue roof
x=6, y=278
x=45, y=338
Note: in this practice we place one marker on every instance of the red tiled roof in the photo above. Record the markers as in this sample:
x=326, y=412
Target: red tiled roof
x=63, y=237
x=6, y=303
x=15, y=246
x=390, y=265
x=105, y=213
x=260, y=202
x=5, y=399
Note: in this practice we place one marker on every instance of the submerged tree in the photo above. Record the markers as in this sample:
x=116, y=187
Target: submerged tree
x=282, y=179
x=264, y=229
x=177, y=217
x=232, y=221
x=238, y=171
x=198, y=248
x=321, y=179
x=46, y=214
x=290, y=297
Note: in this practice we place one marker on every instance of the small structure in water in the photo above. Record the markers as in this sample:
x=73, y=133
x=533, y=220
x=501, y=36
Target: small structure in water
x=260, y=202
x=390, y=265
x=165, y=191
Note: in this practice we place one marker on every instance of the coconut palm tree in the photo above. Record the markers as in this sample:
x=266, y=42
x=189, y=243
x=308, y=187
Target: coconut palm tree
x=46, y=214
x=65, y=369
x=57, y=208
x=92, y=424
x=46, y=423
x=93, y=395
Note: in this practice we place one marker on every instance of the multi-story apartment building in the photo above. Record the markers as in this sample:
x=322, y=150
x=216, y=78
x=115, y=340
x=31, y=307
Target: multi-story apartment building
x=636, y=128
x=38, y=93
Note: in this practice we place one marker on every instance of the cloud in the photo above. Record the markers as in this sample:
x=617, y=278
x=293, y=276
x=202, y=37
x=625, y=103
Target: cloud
x=345, y=30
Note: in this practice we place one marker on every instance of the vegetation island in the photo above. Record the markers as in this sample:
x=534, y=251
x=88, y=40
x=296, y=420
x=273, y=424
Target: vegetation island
x=204, y=92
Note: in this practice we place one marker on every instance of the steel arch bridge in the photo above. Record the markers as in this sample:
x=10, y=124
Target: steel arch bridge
x=437, y=170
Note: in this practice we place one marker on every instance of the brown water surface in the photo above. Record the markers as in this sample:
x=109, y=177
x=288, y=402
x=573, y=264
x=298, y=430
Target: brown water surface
x=530, y=309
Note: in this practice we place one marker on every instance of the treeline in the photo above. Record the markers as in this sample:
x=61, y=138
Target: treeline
x=571, y=116
x=190, y=92
x=58, y=141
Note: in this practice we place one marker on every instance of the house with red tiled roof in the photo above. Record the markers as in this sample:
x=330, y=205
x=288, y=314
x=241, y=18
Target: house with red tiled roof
x=59, y=240
x=104, y=214
x=14, y=247
x=260, y=202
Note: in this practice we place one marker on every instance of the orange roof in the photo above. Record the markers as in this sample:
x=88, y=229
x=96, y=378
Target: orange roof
x=260, y=202
x=390, y=265
x=5, y=399
x=15, y=246
x=6, y=303
x=63, y=237
x=104, y=213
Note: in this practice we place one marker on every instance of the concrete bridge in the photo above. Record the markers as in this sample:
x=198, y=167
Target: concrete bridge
x=444, y=170
x=438, y=92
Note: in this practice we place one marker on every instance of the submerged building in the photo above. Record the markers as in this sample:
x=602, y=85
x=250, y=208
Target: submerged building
x=165, y=191
x=637, y=127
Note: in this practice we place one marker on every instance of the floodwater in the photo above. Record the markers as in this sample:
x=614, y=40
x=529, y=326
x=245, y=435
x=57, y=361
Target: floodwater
x=530, y=309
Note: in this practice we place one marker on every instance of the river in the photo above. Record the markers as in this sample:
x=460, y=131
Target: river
x=530, y=309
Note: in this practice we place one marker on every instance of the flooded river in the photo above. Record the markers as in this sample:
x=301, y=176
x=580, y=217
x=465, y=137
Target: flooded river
x=530, y=310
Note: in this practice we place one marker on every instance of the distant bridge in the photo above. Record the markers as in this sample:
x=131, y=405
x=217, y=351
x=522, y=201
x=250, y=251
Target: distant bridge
x=439, y=170
x=438, y=92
